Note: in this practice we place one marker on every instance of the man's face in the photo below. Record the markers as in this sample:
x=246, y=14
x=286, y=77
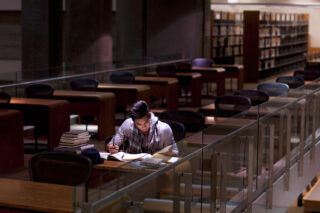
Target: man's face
x=143, y=124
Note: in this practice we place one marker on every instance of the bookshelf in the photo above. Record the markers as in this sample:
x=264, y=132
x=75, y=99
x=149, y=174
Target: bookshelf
x=273, y=43
x=226, y=35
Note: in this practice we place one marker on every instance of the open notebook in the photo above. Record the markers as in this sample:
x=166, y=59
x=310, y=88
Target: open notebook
x=122, y=156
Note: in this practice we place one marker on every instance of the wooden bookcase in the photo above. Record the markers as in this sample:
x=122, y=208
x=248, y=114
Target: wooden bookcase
x=226, y=35
x=273, y=43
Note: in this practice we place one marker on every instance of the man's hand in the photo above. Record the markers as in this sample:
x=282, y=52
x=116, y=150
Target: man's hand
x=112, y=148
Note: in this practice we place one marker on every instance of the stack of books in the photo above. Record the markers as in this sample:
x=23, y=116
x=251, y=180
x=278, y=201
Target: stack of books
x=74, y=141
x=74, y=138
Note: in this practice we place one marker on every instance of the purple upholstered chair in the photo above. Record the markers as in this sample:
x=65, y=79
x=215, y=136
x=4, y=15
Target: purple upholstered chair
x=202, y=62
x=84, y=84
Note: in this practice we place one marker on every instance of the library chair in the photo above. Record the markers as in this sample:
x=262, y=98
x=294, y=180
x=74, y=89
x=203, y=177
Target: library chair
x=167, y=70
x=192, y=121
x=184, y=83
x=60, y=168
x=39, y=91
x=122, y=78
x=202, y=62
x=230, y=105
x=5, y=97
x=292, y=81
x=307, y=75
x=183, y=67
x=84, y=84
x=178, y=129
x=256, y=97
x=274, y=88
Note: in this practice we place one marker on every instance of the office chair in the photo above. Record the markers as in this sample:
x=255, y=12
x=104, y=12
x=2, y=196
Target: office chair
x=39, y=91
x=184, y=83
x=178, y=129
x=230, y=105
x=292, y=81
x=202, y=62
x=5, y=97
x=307, y=75
x=183, y=66
x=44, y=91
x=192, y=121
x=256, y=97
x=273, y=88
x=85, y=84
x=122, y=78
x=60, y=168
x=167, y=70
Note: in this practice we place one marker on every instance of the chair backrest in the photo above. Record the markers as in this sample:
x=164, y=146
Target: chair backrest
x=39, y=91
x=122, y=78
x=202, y=62
x=183, y=67
x=307, y=75
x=273, y=88
x=5, y=97
x=60, y=168
x=192, y=121
x=256, y=97
x=84, y=84
x=178, y=129
x=292, y=81
x=167, y=70
x=230, y=105
x=223, y=60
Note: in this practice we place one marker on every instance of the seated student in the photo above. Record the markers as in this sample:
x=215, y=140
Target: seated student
x=143, y=132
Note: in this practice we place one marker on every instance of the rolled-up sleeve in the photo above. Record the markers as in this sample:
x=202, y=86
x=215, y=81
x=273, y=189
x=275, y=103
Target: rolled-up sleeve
x=122, y=133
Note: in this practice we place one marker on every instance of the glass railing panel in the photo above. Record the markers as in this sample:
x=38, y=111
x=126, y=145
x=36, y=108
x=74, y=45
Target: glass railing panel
x=230, y=157
x=80, y=194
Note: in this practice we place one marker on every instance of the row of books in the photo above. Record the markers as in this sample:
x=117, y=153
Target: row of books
x=227, y=30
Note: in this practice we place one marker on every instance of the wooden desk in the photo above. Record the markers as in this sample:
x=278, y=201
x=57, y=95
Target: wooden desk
x=127, y=94
x=233, y=71
x=26, y=196
x=311, y=200
x=11, y=141
x=188, y=80
x=162, y=87
x=51, y=117
x=213, y=74
x=99, y=104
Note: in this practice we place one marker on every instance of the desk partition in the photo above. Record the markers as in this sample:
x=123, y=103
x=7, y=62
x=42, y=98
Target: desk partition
x=248, y=162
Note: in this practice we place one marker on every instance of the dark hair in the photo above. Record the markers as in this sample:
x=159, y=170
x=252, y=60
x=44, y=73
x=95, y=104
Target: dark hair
x=139, y=109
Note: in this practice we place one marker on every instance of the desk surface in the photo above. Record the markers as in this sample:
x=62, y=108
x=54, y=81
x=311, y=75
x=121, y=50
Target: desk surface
x=157, y=80
x=83, y=94
x=137, y=87
x=36, y=101
x=35, y=196
x=208, y=69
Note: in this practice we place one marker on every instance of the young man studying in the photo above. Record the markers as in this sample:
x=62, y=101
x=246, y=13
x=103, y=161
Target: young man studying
x=142, y=133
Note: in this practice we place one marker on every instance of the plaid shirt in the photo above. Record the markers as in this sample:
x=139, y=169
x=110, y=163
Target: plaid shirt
x=129, y=138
